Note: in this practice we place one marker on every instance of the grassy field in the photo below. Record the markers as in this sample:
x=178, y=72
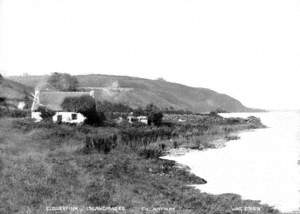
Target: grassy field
x=48, y=165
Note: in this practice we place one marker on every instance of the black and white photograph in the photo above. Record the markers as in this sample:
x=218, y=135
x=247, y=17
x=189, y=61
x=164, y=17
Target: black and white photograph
x=149, y=107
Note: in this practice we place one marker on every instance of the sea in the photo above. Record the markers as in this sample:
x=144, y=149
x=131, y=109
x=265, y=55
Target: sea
x=264, y=164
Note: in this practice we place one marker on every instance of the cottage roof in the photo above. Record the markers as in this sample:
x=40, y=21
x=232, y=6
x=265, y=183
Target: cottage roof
x=53, y=99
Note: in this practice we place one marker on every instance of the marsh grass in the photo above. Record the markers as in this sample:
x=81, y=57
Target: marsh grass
x=44, y=165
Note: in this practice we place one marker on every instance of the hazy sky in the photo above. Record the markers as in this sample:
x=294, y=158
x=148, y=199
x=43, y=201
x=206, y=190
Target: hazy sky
x=247, y=49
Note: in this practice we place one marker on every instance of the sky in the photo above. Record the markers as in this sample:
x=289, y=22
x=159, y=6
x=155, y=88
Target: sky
x=247, y=49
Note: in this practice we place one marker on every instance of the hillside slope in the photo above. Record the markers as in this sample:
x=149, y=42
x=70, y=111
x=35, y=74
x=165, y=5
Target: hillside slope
x=13, y=91
x=140, y=92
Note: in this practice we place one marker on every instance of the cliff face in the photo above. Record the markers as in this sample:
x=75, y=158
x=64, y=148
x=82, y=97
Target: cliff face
x=140, y=92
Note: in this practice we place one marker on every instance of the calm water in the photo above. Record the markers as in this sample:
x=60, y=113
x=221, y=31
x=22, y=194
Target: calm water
x=262, y=165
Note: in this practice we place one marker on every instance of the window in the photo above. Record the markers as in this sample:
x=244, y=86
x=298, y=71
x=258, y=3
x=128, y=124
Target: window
x=74, y=116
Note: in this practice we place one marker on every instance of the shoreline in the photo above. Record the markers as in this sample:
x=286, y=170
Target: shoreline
x=219, y=142
x=74, y=175
x=251, y=150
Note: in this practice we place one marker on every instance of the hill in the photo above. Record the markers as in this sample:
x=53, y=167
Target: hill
x=140, y=92
x=13, y=91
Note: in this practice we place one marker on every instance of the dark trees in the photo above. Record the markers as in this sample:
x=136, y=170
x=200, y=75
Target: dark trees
x=63, y=82
x=85, y=105
x=154, y=114
x=45, y=112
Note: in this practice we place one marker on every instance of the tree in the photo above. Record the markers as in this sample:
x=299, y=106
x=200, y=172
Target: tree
x=3, y=102
x=45, y=112
x=139, y=111
x=151, y=108
x=85, y=105
x=154, y=114
x=155, y=118
x=106, y=106
x=63, y=81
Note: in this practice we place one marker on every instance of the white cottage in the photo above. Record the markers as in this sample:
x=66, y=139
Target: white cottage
x=52, y=100
x=68, y=117
x=138, y=119
x=143, y=119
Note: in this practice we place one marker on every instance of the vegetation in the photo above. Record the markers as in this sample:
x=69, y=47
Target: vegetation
x=172, y=110
x=15, y=113
x=63, y=82
x=3, y=102
x=11, y=93
x=113, y=110
x=46, y=113
x=109, y=107
x=154, y=114
x=45, y=164
x=85, y=105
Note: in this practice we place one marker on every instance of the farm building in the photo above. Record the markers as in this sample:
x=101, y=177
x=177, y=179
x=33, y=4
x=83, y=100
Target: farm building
x=137, y=119
x=52, y=100
x=69, y=117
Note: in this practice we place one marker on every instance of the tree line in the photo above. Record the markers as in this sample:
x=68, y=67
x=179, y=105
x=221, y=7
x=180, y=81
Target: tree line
x=97, y=112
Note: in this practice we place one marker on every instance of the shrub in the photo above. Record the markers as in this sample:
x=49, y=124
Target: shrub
x=155, y=118
x=151, y=151
x=106, y=106
x=101, y=143
x=5, y=112
x=3, y=101
x=18, y=113
x=45, y=112
x=140, y=136
x=154, y=114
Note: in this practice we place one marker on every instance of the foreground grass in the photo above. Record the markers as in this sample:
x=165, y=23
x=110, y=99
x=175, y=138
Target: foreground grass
x=47, y=165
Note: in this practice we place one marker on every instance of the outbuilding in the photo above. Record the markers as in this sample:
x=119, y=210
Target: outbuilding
x=68, y=117
x=138, y=119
